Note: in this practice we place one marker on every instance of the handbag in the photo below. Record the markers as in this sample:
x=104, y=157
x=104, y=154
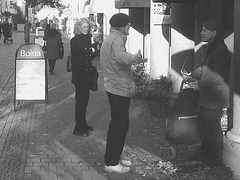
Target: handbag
x=93, y=79
x=61, y=51
x=69, y=63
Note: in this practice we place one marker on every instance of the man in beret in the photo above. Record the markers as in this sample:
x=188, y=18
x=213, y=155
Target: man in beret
x=116, y=63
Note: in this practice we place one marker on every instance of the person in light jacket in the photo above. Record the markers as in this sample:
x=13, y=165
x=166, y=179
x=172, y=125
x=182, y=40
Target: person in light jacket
x=213, y=86
x=116, y=63
x=53, y=41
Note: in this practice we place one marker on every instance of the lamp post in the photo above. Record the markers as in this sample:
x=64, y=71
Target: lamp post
x=26, y=28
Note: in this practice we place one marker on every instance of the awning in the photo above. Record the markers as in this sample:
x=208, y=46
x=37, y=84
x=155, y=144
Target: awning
x=132, y=4
x=145, y=3
x=175, y=1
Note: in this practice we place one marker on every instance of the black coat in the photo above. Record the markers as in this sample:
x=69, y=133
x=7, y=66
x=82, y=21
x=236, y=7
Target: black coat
x=214, y=77
x=82, y=57
x=6, y=29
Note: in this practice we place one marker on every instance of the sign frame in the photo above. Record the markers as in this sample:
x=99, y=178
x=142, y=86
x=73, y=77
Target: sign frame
x=31, y=81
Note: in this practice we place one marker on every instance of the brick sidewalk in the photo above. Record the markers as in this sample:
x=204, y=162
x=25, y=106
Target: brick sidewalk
x=37, y=144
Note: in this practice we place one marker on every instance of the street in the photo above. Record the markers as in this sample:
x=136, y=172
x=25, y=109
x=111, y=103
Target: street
x=36, y=140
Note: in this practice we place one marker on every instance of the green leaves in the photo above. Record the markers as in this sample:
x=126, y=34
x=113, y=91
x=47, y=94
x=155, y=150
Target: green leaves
x=159, y=89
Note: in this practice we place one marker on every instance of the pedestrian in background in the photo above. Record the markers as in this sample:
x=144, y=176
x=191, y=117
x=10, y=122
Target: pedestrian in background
x=48, y=26
x=6, y=30
x=53, y=42
x=116, y=63
x=213, y=86
x=82, y=60
x=0, y=29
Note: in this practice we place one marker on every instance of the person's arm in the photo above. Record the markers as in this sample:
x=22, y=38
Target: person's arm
x=213, y=76
x=60, y=39
x=74, y=49
x=123, y=56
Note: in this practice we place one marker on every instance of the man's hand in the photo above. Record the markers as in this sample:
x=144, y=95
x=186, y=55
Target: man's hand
x=139, y=57
x=143, y=60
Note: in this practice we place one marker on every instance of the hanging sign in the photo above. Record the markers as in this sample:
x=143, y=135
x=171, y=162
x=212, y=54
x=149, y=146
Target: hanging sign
x=160, y=14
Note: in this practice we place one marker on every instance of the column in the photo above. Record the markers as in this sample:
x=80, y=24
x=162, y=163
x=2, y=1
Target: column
x=232, y=139
x=159, y=40
x=234, y=134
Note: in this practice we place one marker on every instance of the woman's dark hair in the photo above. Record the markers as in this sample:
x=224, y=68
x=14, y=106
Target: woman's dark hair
x=214, y=25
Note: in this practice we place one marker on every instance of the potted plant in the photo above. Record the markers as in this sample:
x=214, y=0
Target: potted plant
x=158, y=92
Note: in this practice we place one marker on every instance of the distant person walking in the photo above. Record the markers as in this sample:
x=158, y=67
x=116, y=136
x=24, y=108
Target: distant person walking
x=82, y=59
x=116, y=63
x=48, y=26
x=6, y=30
x=0, y=29
x=53, y=42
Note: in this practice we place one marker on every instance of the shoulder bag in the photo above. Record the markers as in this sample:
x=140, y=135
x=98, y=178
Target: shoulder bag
x=69, y=63
x=94, y=79
x=61, y=51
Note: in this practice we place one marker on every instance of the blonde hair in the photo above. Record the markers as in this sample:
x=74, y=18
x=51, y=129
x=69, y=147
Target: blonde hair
x=78, y=25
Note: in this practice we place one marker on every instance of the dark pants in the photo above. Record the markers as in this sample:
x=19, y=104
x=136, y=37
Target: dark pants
x=117, y=129
x=5, y=38
x=51, y=63
x=81, y=97
x=210, y=131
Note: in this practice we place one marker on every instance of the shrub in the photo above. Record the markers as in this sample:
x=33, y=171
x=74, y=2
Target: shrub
x=159, y=89
x=140, y=76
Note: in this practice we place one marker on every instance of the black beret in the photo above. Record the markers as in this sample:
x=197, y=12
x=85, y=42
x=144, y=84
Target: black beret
x=119, y=20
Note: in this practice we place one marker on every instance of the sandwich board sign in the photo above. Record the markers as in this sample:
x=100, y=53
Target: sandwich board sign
x=30, y=73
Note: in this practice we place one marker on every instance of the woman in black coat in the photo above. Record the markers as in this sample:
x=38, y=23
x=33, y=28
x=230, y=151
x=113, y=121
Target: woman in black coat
x=213, y=85
x=82, y=59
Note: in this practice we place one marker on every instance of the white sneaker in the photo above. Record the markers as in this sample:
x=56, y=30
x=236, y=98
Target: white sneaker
x=117, y=169
x=126, y=162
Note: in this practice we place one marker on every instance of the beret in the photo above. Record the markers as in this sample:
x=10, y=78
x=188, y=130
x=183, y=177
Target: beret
x=119, y=20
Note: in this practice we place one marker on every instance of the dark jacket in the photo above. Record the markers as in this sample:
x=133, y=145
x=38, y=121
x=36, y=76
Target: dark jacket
x=213, y=79
x=82, y=57
x=53, y=42
x=6, y=28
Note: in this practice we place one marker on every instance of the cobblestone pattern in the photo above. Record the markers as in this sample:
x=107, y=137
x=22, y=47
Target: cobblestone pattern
x=13, y=130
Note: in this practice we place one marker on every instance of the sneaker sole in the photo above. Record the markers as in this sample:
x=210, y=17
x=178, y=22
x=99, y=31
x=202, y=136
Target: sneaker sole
x=112, y=171
x=126, y=162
